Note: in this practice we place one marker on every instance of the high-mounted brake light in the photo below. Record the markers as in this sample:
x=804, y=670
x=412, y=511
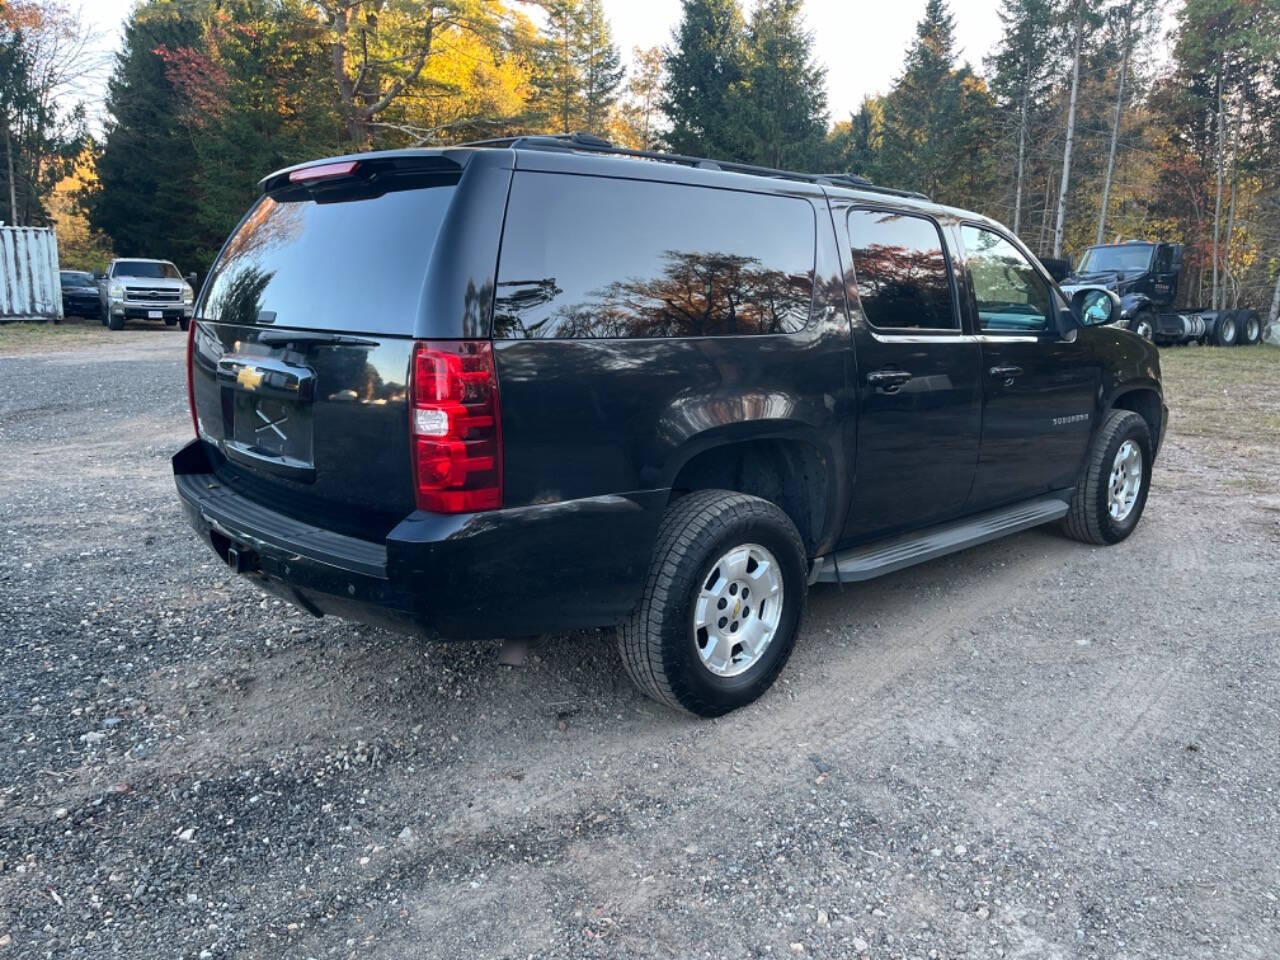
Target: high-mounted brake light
x=455, y=426
x=191, y=385
x=324, y=171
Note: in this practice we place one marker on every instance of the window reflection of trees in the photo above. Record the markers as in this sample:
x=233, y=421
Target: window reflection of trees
x=239, y=281
x=694, y=295
x=903, y=286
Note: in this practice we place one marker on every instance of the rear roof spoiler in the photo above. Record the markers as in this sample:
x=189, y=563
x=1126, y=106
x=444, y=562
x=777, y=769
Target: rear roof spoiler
x=366, y=166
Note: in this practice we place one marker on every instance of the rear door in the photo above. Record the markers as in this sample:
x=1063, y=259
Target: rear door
x=302, y=348
x=1038, y=388
x=918, y=386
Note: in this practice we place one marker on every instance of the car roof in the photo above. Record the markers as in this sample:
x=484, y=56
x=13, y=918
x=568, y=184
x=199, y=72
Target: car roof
x=579, y=153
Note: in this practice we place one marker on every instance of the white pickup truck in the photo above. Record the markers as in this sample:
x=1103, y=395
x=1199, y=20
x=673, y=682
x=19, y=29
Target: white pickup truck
x=133, y=289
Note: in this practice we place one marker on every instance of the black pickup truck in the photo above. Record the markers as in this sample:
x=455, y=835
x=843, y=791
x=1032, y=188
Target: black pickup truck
x=544, y=383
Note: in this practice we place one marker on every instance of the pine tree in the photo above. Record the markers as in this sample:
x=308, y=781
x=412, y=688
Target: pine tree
x=936, y=119
x=853, y=145
x=783, y=96
x=145, y=201
x=1019, y=71
x=704, y=66
x=599, y=65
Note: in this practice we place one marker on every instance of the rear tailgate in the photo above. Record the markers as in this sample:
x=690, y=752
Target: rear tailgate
x=301, y=352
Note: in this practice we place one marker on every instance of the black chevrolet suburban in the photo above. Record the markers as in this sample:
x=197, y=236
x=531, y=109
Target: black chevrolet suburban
x=544, y=383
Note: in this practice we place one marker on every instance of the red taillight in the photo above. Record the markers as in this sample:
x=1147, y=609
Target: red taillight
x=191, y=385
x=323, y=171
x=455, y=426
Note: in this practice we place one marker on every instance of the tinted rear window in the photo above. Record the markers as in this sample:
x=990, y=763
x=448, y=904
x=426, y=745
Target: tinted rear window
x=594, y=257
x=353, y=264
x=901, y=271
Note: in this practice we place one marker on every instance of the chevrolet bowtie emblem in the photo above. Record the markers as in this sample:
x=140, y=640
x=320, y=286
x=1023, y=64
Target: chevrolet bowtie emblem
x=249, y=377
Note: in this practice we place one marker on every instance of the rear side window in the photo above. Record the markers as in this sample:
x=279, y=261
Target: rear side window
x=346, y=264
x=900, y=265
x=591, y=257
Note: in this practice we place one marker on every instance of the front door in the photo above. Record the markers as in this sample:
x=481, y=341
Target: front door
x=1039, y=389
x=918, y=386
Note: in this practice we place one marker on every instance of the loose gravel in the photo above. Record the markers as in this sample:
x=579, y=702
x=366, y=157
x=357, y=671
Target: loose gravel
x=1033, y=749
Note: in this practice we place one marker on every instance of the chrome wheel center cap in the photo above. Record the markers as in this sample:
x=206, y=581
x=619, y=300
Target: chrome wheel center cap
x=738, y=608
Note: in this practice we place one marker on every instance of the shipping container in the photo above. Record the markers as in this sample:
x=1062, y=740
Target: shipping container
x=29, y=283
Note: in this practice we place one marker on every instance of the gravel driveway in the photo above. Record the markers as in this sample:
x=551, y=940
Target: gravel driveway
x=1033, y=749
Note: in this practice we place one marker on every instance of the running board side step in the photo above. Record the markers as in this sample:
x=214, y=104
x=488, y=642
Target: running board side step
x=886, y=556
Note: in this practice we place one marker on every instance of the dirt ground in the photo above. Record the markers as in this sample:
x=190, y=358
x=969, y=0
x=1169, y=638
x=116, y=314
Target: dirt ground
x=1032, y=749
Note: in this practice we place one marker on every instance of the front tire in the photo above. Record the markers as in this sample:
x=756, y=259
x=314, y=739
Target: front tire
x=115, y=322
x=1144, y=325
x=1112, y=490
x=722, y=604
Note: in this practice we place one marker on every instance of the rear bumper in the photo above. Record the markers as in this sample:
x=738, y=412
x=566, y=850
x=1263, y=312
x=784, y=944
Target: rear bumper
x=514, y=572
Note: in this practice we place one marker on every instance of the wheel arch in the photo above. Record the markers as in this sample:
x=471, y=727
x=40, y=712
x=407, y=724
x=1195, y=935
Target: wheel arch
x=1147, y=402
x=795, y=473
x=1132, y=303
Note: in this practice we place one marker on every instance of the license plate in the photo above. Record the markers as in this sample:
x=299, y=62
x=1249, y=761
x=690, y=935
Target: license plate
x=154, y=314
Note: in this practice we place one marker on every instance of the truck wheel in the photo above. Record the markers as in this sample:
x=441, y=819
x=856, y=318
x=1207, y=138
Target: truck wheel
x=1250, y=328
x=184, y=323
x=1112, y=489
x=1144, y=325
x=104, y=315
x=1225, y=329
x=115, y=322
x=722, y=603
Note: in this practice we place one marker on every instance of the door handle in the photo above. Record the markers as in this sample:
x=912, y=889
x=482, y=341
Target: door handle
x=1008, y=372
x=888, y=380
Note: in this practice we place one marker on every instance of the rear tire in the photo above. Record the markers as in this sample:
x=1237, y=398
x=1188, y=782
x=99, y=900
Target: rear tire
x=1226, y=329
x=718, y=555
x=1110, y=494
x=1250, y=328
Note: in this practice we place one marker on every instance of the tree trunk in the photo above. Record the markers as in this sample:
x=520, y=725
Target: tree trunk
x=13, y=194
x=1022, y=155
x=1228, y=278
x=1274, y=316
x=1115, y=136
x=1044, y=215
x=1071, y=132
x=1217, y=203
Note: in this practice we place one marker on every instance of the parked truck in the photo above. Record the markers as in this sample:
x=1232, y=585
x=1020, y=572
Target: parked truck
x=1145, y=275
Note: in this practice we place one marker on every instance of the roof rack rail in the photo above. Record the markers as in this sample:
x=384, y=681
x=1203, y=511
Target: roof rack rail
x=593, y=144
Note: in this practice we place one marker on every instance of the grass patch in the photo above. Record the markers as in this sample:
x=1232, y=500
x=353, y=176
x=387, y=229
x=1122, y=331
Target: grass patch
x=18, y=338
x=1228, y=397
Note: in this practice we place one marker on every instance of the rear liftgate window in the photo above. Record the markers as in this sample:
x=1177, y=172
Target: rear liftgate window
x=590, y=257
x=349, y=254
